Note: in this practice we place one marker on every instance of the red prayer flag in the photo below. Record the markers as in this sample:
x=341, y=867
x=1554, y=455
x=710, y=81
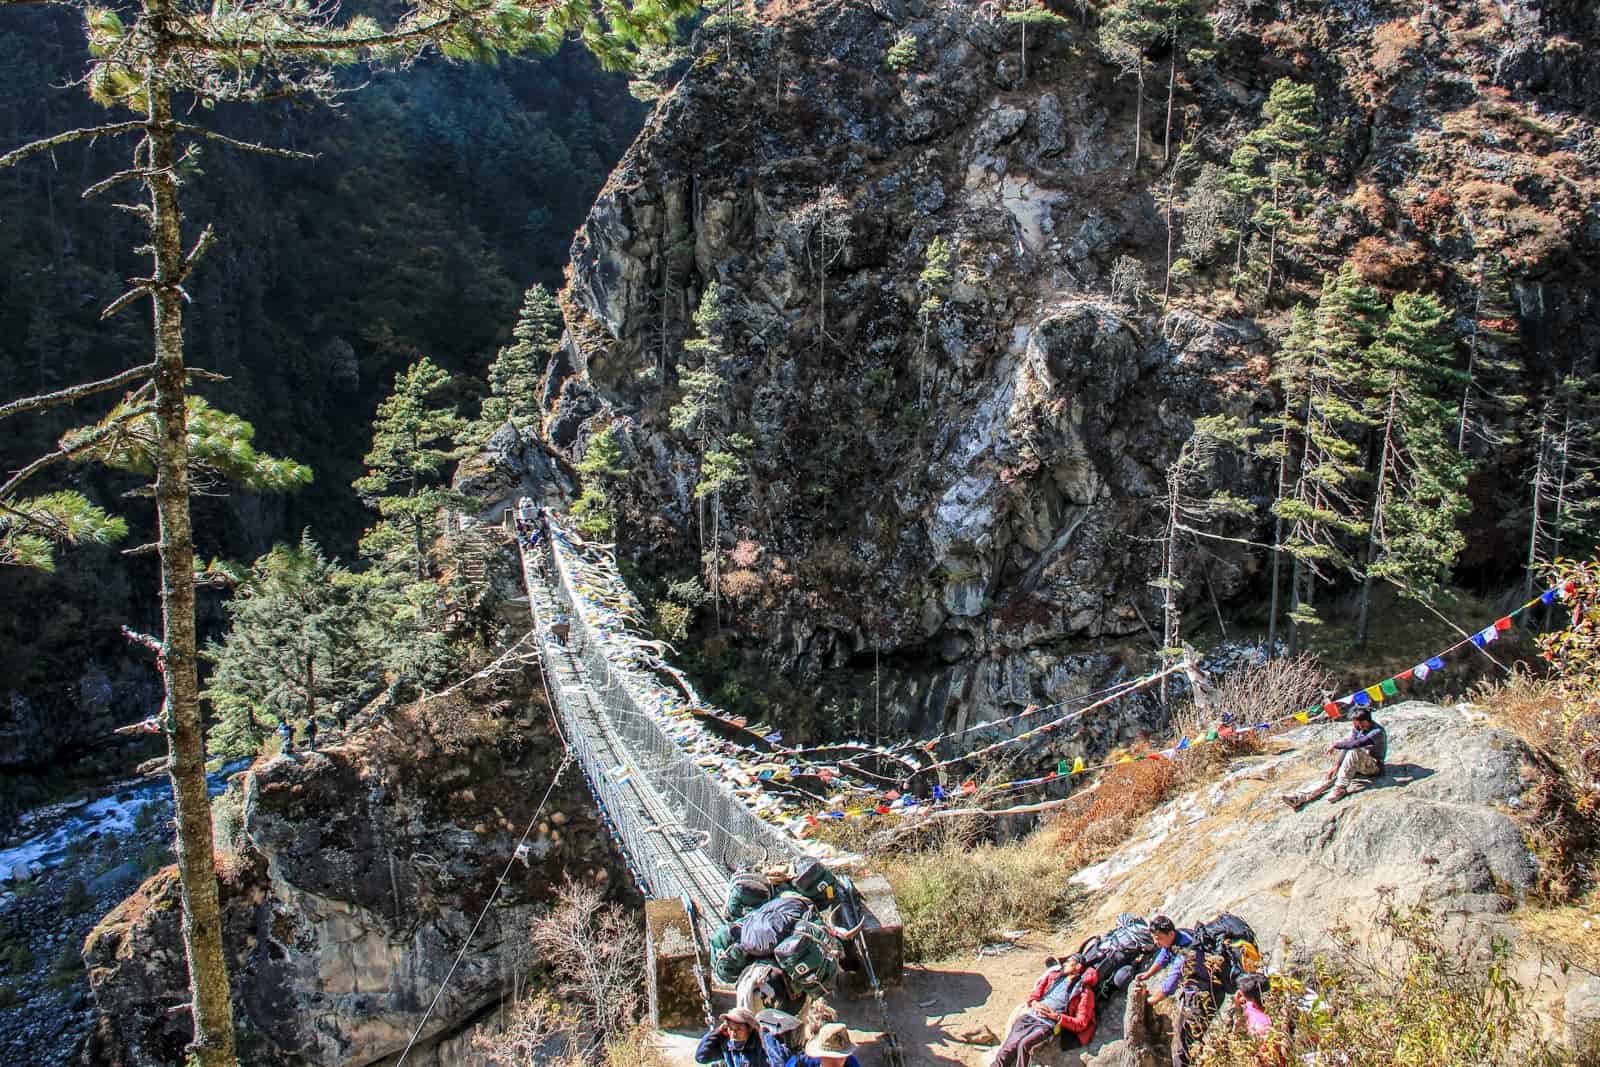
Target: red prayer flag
x=1503, y=623
x=1404, y=676
x=1332, y=708
x=969, y=786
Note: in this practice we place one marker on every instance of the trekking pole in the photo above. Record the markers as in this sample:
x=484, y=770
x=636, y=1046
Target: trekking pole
x=699, y=965
x=893, y=1055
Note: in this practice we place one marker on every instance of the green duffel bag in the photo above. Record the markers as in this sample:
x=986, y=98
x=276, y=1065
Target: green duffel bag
x=816, y=881
x=746, y=892
x=807, y=958
x=728, y=960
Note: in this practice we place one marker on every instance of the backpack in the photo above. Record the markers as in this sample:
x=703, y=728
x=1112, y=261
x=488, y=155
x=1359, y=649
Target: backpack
x=807, y=959
x=773, y=921
x=1115, y=955
x=746, y=892
x=1230, y=948
x=728, y=960
x=816, y=881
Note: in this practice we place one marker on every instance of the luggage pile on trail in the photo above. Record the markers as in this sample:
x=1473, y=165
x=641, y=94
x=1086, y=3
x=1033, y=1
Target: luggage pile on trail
x=787, y=934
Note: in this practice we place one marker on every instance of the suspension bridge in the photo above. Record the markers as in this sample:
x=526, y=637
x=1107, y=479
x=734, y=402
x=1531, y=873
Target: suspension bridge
x=682, y=829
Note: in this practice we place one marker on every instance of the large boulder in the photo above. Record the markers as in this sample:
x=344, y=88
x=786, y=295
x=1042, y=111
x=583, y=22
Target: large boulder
x=1440, y=825
x=366, y=867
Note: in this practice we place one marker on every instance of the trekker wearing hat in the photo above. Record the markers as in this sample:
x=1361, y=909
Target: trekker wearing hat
x=737, y=1041
x=1063, y=1003
x=1360, y=755
x=831, y=1047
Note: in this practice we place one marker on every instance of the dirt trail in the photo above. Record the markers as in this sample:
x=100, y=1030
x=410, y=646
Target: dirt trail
x=936, y=1006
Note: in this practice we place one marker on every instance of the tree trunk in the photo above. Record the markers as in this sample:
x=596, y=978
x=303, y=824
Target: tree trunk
x=1172, y=78
x=1376, y=525
x=1535, y=530
x=1138, y=117
x=1294, y=606
x=211, y=1005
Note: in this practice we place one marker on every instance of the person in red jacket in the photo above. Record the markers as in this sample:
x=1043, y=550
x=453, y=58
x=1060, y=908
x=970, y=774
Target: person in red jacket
x=1062, y=1002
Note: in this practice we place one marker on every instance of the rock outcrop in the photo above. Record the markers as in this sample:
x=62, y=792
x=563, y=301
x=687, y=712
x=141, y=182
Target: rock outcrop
x=1440, y=826
x=968, y=491
x=359, y=873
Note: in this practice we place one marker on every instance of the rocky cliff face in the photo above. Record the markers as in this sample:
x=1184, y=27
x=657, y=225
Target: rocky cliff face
x=352, y=883
x=972, y=491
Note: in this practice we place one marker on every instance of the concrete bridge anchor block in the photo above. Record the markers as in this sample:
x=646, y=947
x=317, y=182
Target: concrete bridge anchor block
x=674, y=992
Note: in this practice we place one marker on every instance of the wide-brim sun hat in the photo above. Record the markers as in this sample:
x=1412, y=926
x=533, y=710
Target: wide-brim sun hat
x=743, y=1016
x=832, y=1040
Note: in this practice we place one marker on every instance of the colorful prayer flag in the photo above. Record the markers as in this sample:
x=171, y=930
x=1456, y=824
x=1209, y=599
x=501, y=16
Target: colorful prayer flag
x=1404, y=676
x=1077, y=765
x=1503, y=623
x=1361, y=699
x=1062, y=768
x=1332, y=709
x=1390, y=689
x=1302, y=717
x=1183, y=744
x=969, y=786
x=1436, y=664
x=1547, y=596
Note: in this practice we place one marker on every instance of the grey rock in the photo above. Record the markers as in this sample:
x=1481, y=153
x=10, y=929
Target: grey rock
x=929, y=196
x=1051, y=125
x=1431, y=827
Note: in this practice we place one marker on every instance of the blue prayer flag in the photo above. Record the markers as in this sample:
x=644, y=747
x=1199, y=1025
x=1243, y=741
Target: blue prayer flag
x=1362, y=700
x=1183, y=744
x=1436, y=664
x=1547, y=597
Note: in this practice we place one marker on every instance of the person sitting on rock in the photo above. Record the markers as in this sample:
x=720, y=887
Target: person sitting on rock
x=286, y=734
x=831, y=1047
x=1360, y=755
x=1062, y=1002
x=737, y=1041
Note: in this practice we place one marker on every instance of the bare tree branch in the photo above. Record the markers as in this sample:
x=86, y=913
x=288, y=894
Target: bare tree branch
x=45, y=144
x=76, y=392
x=244, y=146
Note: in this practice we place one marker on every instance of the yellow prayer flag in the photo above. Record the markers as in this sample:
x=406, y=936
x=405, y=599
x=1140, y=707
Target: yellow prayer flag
x=1376, y=693
x=1077, y=765
x=1302, y=717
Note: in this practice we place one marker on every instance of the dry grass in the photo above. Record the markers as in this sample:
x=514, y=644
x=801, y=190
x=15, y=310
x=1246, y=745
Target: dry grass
x=958, y=896
x=1127, y=793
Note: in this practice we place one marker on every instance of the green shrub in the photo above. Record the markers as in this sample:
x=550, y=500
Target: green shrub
x=902, y=55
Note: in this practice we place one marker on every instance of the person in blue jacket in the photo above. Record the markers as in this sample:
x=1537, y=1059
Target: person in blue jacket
x=1361, y=755
x=737, y=1041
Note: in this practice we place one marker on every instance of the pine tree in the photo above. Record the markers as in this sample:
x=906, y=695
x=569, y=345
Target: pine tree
x=724, y=466
x=1273, y=171
x=1491, y=397
x=516, y=375
x=1126, y=31
x=1034, y=13
x=412, y=442
x=1190, y=515
x=1419, y=489
x=824, y=230
x=1322, y=465
x=294, y=641
x=699, y=411
x=602, y=465
x=1564, y=477
x=146, y=59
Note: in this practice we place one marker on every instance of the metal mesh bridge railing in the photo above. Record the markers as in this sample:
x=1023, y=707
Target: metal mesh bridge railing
x=734, y=835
